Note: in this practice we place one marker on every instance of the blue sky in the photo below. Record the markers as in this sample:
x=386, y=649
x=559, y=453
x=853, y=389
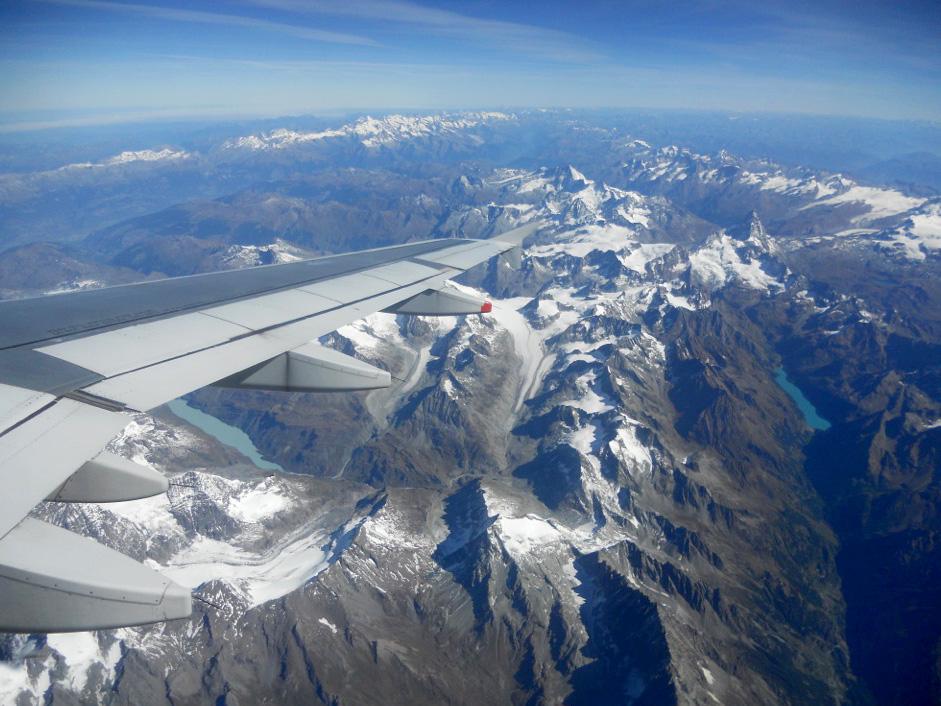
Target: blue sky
x=95, y=61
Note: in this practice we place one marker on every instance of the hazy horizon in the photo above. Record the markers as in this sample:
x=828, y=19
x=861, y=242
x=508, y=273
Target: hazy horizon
x=89, y=62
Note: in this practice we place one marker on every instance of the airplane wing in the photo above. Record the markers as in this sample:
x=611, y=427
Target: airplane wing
x=73, y=366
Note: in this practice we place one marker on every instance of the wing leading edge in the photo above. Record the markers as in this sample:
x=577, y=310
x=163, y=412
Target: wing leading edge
x=73, y=366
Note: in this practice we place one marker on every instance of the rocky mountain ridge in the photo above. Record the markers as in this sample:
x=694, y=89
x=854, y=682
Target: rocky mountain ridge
x=73, y=200
x=598, y=494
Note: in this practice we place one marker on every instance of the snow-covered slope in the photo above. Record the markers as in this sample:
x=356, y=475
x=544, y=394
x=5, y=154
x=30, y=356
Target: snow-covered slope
x=686, y=176
x=596, y=494
x=371, y=132
x=919, y=235
x=165, y=154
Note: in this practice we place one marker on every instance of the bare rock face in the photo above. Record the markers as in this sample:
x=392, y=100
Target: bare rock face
x=597, y=494
x=571, y=507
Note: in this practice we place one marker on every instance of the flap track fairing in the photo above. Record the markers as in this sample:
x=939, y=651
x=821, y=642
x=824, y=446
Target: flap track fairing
x=53, y=580
x=109, y=478
x=310, y=368
x=441, y=302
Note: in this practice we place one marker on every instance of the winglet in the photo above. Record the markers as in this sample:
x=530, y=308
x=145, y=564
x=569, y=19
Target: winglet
x=514, y=238
x=518, y=235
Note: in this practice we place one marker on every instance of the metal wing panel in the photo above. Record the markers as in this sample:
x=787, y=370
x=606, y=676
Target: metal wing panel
x=115, y=352
x=272, y=309
x=147, y=364
x=154, y=385
x=42, y=452
x=46, y=320
x=300, y=332
x=17, y=403
x=402, y=273
x=143, y=345
x=348, y=288
x=352, y=288
x=54, y=580
x=466, y=257
x=122, y=350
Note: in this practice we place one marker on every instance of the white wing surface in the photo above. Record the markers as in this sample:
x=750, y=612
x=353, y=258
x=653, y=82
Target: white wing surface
x=72, y=366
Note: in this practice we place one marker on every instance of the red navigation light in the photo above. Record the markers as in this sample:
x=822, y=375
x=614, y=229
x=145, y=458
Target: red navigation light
x=486, y=308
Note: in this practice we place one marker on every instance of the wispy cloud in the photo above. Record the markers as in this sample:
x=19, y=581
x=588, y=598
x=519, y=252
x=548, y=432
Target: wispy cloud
x=130, y=116
x=197, y=16
x=365, y=68
x=863, y=56
x=538, y=42
x=865, y=32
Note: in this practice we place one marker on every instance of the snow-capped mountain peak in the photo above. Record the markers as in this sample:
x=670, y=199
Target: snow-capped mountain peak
x=371, y=132
x=165, y=154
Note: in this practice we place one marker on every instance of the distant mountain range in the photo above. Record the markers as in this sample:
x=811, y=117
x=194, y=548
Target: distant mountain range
x=597, y=494
x=41, y=199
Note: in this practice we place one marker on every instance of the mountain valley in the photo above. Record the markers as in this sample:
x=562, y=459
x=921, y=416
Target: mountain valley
x=596, y=494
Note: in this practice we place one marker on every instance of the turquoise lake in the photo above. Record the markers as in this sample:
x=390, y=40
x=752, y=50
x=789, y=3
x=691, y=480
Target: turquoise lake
x=803, y=404
x=225, y=433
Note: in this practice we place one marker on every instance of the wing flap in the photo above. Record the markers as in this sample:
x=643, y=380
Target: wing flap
x=273, y=309
x=113, y=353
x=53, y=580
x=18, y=403
x=151, y=386
x=156, y=384
x=118, y=351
